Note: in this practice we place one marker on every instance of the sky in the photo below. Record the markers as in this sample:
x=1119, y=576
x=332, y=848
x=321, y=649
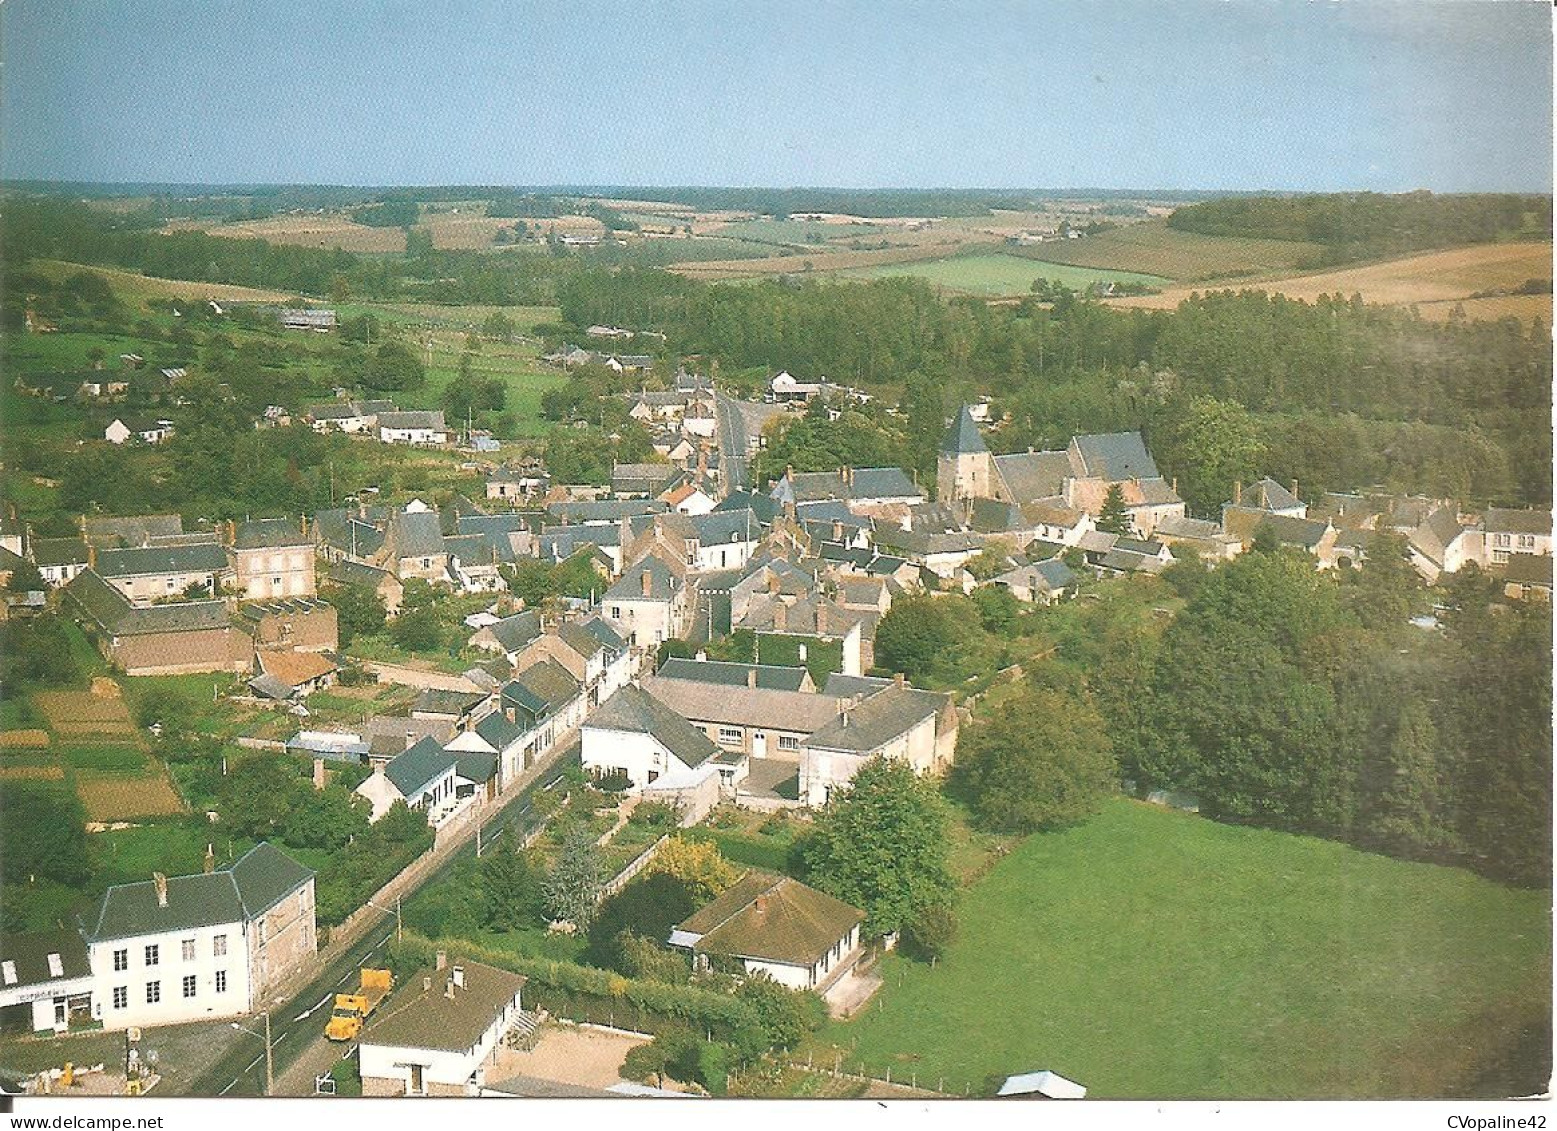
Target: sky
x=1383, y=95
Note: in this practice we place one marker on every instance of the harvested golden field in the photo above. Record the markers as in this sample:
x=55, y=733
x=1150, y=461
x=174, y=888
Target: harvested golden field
x=134, y=287
x=1434, y=282
x=31, y=773
x=81, y=714
x=24, y=740
x=115, y=797
x=467, y=231
x=330, y=230
x=1153, y=248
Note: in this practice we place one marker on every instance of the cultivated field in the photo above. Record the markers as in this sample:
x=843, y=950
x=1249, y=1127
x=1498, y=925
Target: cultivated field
x=998, y=274
x=469, y=228
x=133, y=287
x=98, y=740
x=1434, y=282
x=1151, y=954
x=1156, y=249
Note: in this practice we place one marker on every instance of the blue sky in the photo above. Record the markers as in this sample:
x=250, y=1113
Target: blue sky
x=1188, y=94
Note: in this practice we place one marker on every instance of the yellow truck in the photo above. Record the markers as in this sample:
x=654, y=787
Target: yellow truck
x=351, y=1010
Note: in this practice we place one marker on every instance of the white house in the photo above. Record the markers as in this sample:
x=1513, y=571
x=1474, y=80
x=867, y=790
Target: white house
x=422, y=777
x=633, y=733
x=898, y=722
x=417, y=428
x=649, y=604
x=433, y=1035
x=1506, y=532
x=45, y=976
x=773, y=925
x=189, y=948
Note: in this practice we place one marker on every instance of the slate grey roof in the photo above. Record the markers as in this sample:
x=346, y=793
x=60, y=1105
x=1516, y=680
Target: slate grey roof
x=203, y=557
x=348, y=533
x=265, y=533
x=1129, y=561
x=418, y=1018
x=253, y=885
x=541, y=689
x=1115, y=456
x=641, y=476
x=475, y=766
x=634, y=710
x=663, y=583
x=841, y=686
x=719, y=527
x=773, y=918
x=1506, y=521
x=877, y=720
x=57, y=551
x=963, y=437
x=882, y=483
x=845, y=483
x=770, y=676
x=413, y=419
x=743, y=706
x=603, y=632
x=990, y=516
x=762, y=506
x=497, y=730
x=113, y=612
x=106, y=533
x=418, y=767
x=357, y=573
x=416, y=535
x=1179, y=527
x=28, y=952
x=605, y=510
x=443, y=701
x=1433, y=537
x=1269, y=495
x=1048, y=576
x=1033, y=475
x=1529, y=569
x=514, y=632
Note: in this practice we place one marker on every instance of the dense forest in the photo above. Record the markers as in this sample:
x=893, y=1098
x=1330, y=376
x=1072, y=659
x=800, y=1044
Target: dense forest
x=1367, y=225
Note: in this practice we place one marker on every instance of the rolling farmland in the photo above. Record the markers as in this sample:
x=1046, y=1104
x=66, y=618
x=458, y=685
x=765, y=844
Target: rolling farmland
x=1156, y=249
x=1435, y=282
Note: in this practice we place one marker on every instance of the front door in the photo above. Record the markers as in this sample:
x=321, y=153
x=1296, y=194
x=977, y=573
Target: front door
x=417, y=1086
x=759, y=744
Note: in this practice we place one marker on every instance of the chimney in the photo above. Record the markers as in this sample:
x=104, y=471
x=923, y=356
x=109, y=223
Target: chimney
x=751, y=677
x=442, y=960
x=837, y=530
x=1294, y=489
x=897, y=678
x=458, y=976
x=789, y=472
x=1175, y=484
x=91, y=556
x=773, y=583
x=648, y=582
x=161, y=881
x=319, y=776
x=845, y=716
x=210, y=859
x=508, y=713
x=1237, y=492
x=760, y=904
x=426, y=984
x=378, y=768
x=410, y=739
x=448, y=989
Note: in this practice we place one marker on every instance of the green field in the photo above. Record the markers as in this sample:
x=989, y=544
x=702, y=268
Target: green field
x=1183, y=256
x=1151, y=954
x=800, y=233
x=996, y=274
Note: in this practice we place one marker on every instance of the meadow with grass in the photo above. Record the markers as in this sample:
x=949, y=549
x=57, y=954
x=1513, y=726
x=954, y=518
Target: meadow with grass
x=1153, y=954
x=998, y=274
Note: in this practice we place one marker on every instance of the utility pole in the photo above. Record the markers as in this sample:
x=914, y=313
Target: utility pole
x=270, y=1067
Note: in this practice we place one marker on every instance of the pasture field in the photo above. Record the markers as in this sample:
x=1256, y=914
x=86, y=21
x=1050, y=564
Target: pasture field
x=805, y=233
x=135, y=288
x=1156, y=249
x=517, y=365
x=1433, y=281
x=821, y=260
x=998, y=274
x=314, y=230
x=1153, y=954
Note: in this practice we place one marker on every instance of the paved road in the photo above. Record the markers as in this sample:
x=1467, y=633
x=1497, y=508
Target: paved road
x=297, y=1024
x=733, y=440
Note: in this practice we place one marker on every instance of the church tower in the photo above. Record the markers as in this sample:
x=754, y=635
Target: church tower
x=962, y=470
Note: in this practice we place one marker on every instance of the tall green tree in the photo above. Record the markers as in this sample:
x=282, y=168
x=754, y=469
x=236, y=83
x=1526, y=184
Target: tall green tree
x=1041, y=761
x=573, y=885
x=881, y=845
x=510, y=887
x=1114, y=518
x=43, y=833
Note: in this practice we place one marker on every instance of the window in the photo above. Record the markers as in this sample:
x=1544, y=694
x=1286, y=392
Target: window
x=8, y=969
x=121, y=960
x=153, y=993
x=151, y=955
x=189, y=985
x=56, y=967
x=219, y=946
x=730, y=735
x=426, y=563
x=1527, y=541
x=262, y=931
x=616, y=612
x=788, y=742
x=121, y=997
x=276, y=582
x=221, y=981
x=188, y=949
x=1500, y=540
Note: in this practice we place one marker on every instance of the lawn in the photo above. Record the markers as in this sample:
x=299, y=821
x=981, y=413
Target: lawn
x=1155, y=954
x=997, y=274
x=517, y=365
